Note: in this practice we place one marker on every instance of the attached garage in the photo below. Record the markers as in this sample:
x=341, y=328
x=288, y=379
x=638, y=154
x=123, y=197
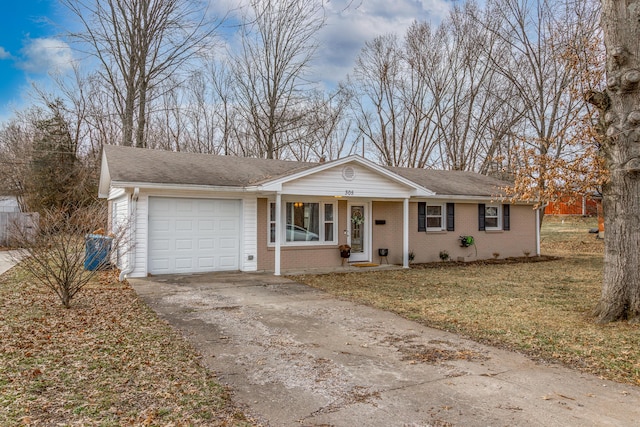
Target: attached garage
x=188, y=235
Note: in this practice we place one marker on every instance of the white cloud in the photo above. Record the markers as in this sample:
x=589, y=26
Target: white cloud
x=224, y=7
x=44, y=55
x=350, y=23
x=4, y=54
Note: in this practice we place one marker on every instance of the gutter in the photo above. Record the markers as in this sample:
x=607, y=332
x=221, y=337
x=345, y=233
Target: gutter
x=131, y=253
x=183, y=187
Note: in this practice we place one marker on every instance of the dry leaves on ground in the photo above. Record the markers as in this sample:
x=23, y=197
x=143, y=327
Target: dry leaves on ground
x=108, y=360
x=541, y=308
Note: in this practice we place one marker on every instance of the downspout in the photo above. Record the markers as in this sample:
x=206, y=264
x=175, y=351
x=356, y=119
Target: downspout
x=538, y=225
x=131, y=253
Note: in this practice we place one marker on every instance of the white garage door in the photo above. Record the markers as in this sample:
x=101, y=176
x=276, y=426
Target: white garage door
x=193, y=235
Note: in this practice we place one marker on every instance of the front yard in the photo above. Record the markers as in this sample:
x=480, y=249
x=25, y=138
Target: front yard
x=108, y=361
x=542, y=309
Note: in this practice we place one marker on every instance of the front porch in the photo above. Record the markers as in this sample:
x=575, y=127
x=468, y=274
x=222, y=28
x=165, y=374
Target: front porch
x=308, y=242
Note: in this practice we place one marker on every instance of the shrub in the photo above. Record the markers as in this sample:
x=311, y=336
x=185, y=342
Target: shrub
x=53, y=250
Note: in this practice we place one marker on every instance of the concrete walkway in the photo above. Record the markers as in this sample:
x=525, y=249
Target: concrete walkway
x=293, y=356
x=6, y=260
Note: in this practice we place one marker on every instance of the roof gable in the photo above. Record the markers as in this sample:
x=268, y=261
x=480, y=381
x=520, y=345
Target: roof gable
x=349, y=179
x=330, y=178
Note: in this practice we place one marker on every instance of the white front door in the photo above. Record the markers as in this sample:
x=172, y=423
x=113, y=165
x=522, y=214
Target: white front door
x=359, y=232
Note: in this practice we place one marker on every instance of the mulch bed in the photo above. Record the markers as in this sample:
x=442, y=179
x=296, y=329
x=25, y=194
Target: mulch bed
x=509, y=260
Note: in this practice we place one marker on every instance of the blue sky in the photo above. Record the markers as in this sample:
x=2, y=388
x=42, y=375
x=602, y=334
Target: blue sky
x=29, y=48
x=32, y=43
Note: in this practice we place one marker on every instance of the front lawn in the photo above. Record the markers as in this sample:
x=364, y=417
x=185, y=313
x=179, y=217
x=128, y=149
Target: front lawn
x=108, y=361
x=543, y=309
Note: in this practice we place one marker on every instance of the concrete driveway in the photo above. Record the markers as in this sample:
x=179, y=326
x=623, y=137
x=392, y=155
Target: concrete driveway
x=293, y=356
x=7, y=260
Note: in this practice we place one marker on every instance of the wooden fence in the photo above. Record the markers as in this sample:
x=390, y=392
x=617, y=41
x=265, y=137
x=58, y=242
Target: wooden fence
x=585, y=206
x=10, y=220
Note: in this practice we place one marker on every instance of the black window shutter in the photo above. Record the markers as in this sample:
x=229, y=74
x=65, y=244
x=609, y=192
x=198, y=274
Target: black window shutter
x=451, y=219
x=506, y=220
x=422, y=216
x=481, y=212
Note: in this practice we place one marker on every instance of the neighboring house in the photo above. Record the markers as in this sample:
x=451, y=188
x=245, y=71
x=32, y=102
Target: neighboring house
x=586, y=205
x=11, y=217
x=198, y=213
x=9, y=204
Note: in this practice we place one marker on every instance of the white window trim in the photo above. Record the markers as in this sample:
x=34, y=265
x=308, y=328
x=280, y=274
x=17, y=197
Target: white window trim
x=321, y=241
x=499, y=216
x=443, y=217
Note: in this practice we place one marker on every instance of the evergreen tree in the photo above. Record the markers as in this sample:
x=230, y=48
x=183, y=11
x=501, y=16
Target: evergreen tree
x=56, y=171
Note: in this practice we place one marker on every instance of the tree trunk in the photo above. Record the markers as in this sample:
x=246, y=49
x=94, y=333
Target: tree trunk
x=620, y=297
x=142, y=114
x=127, y=118
x=620, y=106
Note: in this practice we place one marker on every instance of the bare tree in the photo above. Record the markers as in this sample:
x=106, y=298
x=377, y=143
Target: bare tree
x=469, y=105
x=324, y=129
x=210, y=112
x=53, y=251
x=168, y=127
x=393, y=106
x=101, y=120
x=139, y=44
x=544, y=68
x=333, y=128
x=88, y=121
x=278, y=42
x=431, y=100
x=16, y=148
x=377, y=68
x=224, y=115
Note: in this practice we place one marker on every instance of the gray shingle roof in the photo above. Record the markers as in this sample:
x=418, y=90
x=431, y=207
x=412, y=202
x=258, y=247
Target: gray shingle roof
x=137, y=165
x=458, y=183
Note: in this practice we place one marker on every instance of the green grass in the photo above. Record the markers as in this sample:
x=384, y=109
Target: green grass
x=541, y=308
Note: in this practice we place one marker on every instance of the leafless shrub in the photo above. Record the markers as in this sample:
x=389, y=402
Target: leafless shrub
x=63, y=252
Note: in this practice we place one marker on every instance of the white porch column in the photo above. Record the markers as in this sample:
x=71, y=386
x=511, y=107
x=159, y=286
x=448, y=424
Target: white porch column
x=405, y=233
x=278, y=233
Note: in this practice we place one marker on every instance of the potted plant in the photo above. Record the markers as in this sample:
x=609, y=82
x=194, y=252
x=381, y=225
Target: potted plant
x=345, y=251
x=466, y=241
